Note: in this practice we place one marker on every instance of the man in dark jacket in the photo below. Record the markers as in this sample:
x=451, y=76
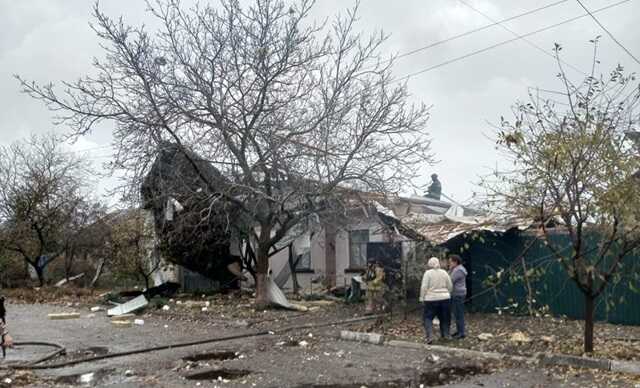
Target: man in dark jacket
x=459, y=279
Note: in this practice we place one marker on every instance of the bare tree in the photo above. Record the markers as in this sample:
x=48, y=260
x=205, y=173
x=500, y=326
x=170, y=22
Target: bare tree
x=41, y=189
x=81, y=239
x=575, y=168
x=291, y=112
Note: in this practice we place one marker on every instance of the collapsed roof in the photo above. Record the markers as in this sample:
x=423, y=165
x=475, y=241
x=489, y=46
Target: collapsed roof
x=440, y=228
x=191, y=223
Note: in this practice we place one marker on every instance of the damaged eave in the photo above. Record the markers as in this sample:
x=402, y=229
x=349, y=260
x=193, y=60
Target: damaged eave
x=440, y=230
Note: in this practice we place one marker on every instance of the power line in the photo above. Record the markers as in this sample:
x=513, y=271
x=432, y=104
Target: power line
x=608, y=33
x=476, y=52
x=530, y=43
x=495, y=23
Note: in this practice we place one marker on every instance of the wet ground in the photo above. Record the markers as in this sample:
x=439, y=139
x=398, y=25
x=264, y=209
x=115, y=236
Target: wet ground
x=307, y=358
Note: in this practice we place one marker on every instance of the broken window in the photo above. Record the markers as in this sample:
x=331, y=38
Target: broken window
x=358, y=240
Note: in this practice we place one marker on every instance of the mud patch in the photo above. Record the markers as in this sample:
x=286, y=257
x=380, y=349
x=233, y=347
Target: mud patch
x=453, y=374
x=380, y=384
x=211, y=356
x=217, y=374
x=434, y=378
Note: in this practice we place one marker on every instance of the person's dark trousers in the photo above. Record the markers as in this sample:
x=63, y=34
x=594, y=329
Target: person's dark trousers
x=444, y=316
x=457, y=306
x=440, y=309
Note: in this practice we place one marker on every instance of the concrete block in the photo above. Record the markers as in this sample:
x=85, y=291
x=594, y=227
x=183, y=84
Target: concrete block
x=373, y=338
x=406, y=344
x=625, y=367
x=575, y=361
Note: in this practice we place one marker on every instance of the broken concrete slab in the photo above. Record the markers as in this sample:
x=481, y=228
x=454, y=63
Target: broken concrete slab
x=58, y=316
x=134, y=304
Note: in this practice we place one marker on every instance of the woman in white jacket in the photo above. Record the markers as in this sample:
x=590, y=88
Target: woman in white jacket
x=435, y=293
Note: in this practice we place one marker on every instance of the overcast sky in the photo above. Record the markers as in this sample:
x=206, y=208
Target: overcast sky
x=50, y=40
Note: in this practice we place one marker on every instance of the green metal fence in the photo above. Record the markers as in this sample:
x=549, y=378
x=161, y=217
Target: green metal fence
x=489, y=253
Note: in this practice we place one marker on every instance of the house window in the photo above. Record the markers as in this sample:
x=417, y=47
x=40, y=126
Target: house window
x=358, y=240
x=304, y=262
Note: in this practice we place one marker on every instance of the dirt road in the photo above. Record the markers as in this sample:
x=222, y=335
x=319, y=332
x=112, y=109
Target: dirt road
x=309, y=358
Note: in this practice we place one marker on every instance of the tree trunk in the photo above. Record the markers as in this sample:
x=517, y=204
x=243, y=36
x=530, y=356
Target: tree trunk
x=589, y=312
x=99, y=270
x=294, y=275
x=262, y=271
x=40, y=273
x=146, y=280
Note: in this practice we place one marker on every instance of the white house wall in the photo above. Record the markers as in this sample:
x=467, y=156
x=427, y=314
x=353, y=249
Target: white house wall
x=343, y=276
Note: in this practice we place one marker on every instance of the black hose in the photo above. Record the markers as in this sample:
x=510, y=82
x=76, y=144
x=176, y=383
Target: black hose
x=59, y=350
x=33, y=365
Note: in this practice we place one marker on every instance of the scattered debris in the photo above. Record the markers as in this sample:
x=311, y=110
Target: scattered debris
x=277, y=297
x=519, y=336
x=240, y=323
x=194, y=303
x=485, y=336
x=57, y=316
x=165, y=290
x=122, y=323
x=304, y=344
x=86, y=378
x=134, y=304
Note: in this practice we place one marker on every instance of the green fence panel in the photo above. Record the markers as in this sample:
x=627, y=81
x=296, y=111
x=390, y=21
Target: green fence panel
x=489, y=253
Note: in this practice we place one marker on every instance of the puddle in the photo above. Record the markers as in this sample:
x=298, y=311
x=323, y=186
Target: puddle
x=87, y=379
x=217, y=374
x=215, y=356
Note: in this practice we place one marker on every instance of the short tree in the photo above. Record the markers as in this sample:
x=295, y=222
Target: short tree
x=575, y=167
x=288, y=110
x=41, y=190
x=129, y=246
